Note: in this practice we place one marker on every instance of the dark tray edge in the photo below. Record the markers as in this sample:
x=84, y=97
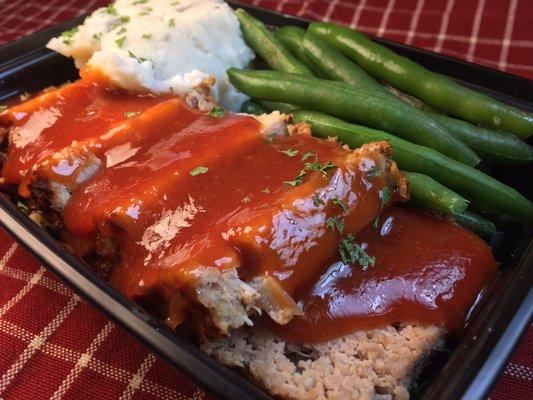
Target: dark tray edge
x=143, y=326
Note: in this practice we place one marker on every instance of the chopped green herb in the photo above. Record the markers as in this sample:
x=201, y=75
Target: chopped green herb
x=3, y=107
x=313, y=166
x=217, y=112
x=297, y=180
x=352, y=252
x=121, y=31
x=246, y=199
x=147, y=36
x=175, y=3
x=22, y=207
x=307, y=154
x=139, y=59
x=384, y=195
x=68, y=36
x=289, y=152
x=198, y=171
x=373, y=172
x=266, y=190
x=317, y=201
x=270, y=138
x=375, y=223
x=339, y=203
x=324, y=169
x=139, y=2
x=172, y=23
x=130, y=114
x=317, y=167
x=335, y=223
x=147, y=10
x=111, y=9
x=70, y=32
x=96, y=36
x=124, y=19
x=120, y=41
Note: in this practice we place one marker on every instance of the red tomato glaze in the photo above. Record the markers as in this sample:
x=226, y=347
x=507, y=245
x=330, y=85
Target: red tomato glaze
x=427, y=271
x=52, y=120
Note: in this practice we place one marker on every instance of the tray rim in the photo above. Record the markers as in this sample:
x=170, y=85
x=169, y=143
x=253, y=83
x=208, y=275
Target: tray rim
x=214, y=377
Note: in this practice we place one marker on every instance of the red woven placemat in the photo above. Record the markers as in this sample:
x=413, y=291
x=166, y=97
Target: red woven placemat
x=54, y=345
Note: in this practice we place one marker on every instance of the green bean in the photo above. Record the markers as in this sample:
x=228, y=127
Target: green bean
x=434, y=89
x=479, y=225
x=491, y=145
x=497, y=146
x=292, y=37
x=347, y=102
x=253, y=107
x=276, y=106
x=262, y=41
x=469, y=182
x=318, y=54
x=428, y=193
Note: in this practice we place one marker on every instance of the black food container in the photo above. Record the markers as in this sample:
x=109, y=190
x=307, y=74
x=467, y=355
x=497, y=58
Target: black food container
x=476, y=359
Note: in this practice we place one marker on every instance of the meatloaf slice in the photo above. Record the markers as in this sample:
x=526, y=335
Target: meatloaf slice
x=379, y=364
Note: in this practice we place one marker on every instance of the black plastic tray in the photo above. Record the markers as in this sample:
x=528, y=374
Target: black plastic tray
x=476, y=360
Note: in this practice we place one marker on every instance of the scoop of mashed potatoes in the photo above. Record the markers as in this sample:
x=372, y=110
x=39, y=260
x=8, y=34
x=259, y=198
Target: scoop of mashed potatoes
x=161, y=46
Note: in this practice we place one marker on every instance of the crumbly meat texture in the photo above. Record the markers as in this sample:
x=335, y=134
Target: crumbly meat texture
x=379, y=364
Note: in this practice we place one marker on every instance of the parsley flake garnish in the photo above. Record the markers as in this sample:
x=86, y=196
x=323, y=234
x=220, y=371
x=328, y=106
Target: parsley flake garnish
x=130, y=114
x=147, y=36
x=297, y=180
x=317, y=167
x=306, y=155
x=198, y=171
x=96, y=36
x=373, y=172
x=3, y=107
x=384, y=195
x=217, y=112
x=68, y=35
x=121, y=31
x=139, y=2
x=175, y=3
x=172, y=23
x=147, y=10
x=352, y=252
x=317, y=201
x=339, y=203
x=270, y=137
x=335, y=223
x=139, y=59
x=289, y=152
x=120, y=41
x=111, y=9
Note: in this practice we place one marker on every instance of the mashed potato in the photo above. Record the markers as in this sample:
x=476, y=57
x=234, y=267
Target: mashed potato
x=161, y=46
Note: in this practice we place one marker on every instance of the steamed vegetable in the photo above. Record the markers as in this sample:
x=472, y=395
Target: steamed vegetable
x=469, y=182
x=488, y=144
x=436, y=90
x=347, y=102
x=428, y=193
x=476, y=224
x=253, y=107
x=262, y=41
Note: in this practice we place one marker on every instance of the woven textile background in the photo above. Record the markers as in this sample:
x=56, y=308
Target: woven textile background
x=55, y=346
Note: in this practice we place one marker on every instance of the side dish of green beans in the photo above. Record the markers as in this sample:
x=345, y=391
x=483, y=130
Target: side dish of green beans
x=347, y=86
